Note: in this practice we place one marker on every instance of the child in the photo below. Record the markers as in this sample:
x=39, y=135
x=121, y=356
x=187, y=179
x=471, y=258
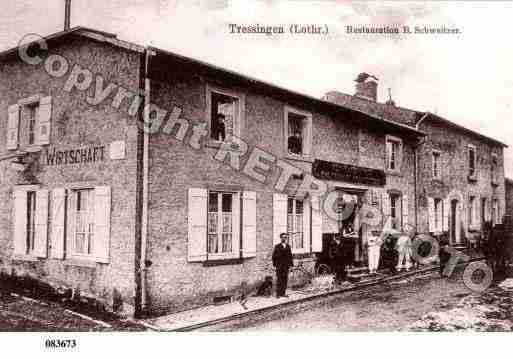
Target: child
x=374, y=246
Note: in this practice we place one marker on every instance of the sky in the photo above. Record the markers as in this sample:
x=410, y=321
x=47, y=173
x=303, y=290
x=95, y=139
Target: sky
x=466, y=78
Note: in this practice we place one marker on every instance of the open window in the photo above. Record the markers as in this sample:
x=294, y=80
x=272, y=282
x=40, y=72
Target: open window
x=394, y=147
x=225, y=111
x=298, y=132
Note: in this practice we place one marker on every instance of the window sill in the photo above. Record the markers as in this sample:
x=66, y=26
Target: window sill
x=26, y=258
x=81, y=262
x=393, y=172
x=222, y=262
x=305, y=158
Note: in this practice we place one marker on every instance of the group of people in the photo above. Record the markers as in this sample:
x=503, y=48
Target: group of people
x=384, y=250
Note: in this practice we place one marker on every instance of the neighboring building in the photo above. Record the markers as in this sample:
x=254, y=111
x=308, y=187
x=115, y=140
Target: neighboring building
x=185, y=212
x=509, y=196
x=459, y=172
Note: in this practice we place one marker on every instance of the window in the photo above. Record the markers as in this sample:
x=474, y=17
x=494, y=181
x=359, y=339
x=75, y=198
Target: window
x=471, y=161
x=224, y=115
x=393, y=153
x=31, y=221
x=298, y=132
x=436, y=165
x=395, y=210
x=471, y=210
x=31, y=114
x=295, y=211
x=220, y=222
x=84, y=221
x=438, y=214
x=495, y=212
x=495, y=180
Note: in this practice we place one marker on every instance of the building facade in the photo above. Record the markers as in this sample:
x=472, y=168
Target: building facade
x=156, y=182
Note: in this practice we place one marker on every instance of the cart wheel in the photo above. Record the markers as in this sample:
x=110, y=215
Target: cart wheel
x=323, y=269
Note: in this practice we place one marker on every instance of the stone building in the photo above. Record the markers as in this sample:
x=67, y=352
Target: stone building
x=459, y=173
x=509, y=196
x=156, y=182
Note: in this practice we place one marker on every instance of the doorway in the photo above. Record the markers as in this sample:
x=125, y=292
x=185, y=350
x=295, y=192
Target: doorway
x=455, y=223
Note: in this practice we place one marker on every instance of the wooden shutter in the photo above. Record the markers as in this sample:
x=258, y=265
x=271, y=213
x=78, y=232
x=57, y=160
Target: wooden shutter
x=385, y=206
x=41, y=224
x=431, y=214
x=279, y=216
x=316, y=225
x=102, y=207
x=236, y=235
x=197, y=225
x=477, y=212
x=404, y=207
x=248, y=224
x=307, y=216
x=13, y=113
x=445, y=214
x=58, y=204
x=44, y=121
x=20, y=222
x=71, y=219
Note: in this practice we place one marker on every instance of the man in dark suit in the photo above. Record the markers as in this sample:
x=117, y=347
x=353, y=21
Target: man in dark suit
x=282, y=261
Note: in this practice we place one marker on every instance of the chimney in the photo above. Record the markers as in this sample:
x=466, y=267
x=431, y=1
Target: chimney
x=367, y=86
x=67, y=14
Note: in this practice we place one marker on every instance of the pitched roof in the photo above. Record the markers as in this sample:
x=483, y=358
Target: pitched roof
x=381, y=110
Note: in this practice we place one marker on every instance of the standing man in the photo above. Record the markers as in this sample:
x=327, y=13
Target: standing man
x=282, y=261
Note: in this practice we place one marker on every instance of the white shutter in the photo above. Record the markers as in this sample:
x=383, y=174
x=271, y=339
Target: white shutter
x=279, y=216
x=236, y=217
x=445, y=214
x=316, y=225
x=58, y=209
x=306, y=225
x=41, y=224
x=477, y=211
x=431, y=214
x=12, y=127
x=197, y=225
x=404, y=207
x=385, y=206
x=102, y=206
x=44, y=121
x=248, y=224
x=20, y=222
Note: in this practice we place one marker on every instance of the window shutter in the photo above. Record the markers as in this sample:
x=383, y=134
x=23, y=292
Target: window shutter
x=249, y=224
x=20, y=222
x=316, y=225
x=279, y=216
x=41, y=224
x=236, y=218
x=404, y=207
x=71, y=219
x=44, y=121
x=385, y=206
x=445, y=214
x=307, y=247
x=58, y=210
x=102, y=206
x=431, y=214
x=477, y=206
x=197, y=223
x=12, y=127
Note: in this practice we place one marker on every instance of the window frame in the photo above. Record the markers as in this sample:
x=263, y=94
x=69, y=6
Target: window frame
x=304, y=248
x=307, y=131
x=396, y=206
x=23, y=127
x=73, y=240
x=398, y=157
x=238, y=122
x=438, y=204
x=472, y=149
x=471, y=211
x=494, y=168
x=235, y=232
x=436, y=171
x=31, y=222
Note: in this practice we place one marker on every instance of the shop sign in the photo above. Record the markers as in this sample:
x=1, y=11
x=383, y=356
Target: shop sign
x=333, y=171
x=85, y=155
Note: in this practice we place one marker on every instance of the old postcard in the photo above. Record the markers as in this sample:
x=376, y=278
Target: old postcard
x=254, y=166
